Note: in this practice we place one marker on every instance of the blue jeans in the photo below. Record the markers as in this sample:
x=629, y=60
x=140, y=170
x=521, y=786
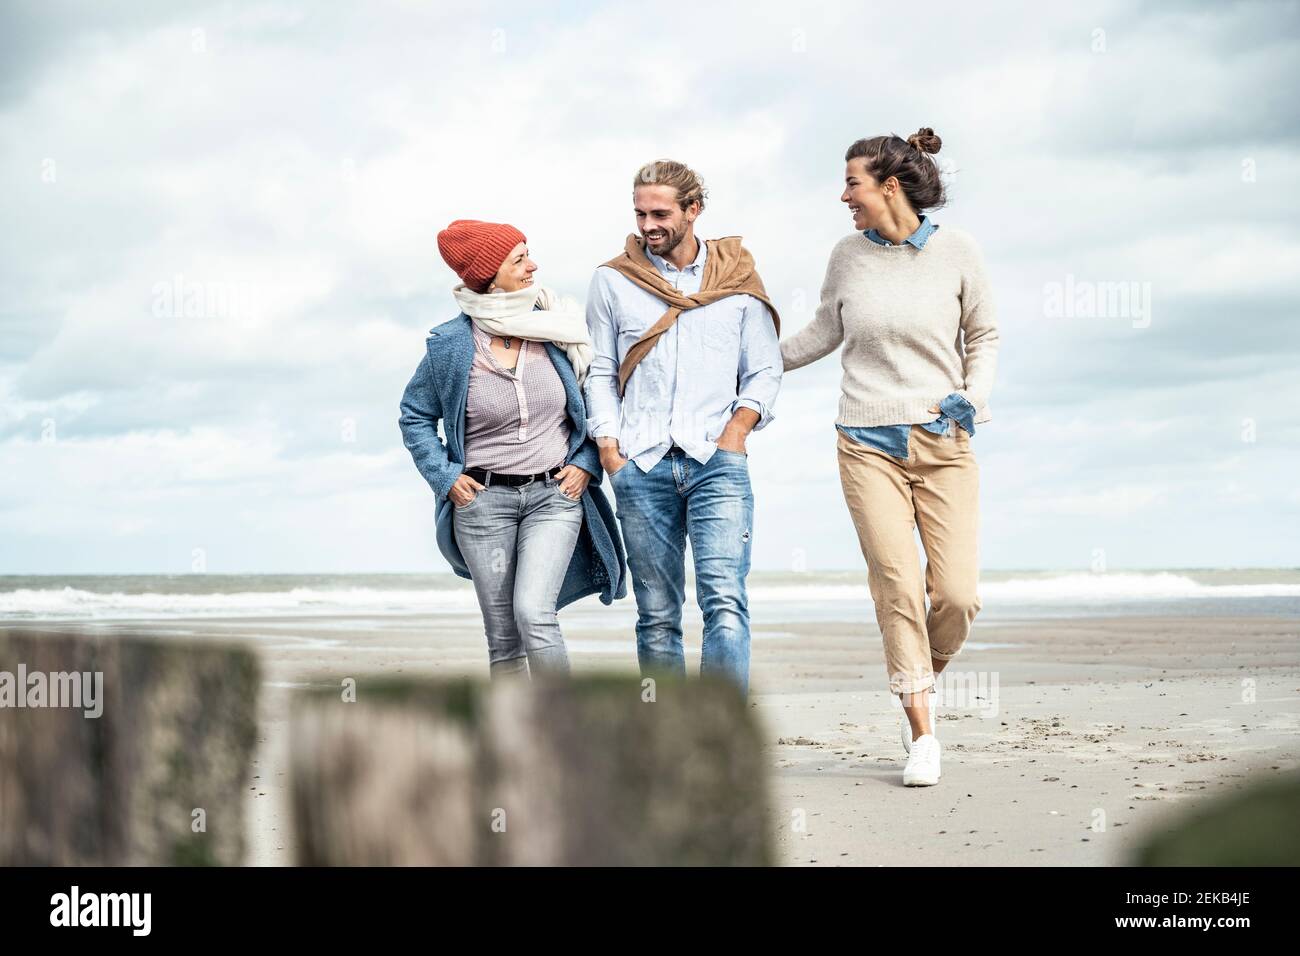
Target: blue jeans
x=517, y=544
x=713, y=505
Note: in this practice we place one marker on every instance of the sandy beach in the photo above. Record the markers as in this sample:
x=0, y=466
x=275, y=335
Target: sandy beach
x=1087, y=734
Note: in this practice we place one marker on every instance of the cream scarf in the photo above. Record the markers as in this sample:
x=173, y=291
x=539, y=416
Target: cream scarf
x=560, y=319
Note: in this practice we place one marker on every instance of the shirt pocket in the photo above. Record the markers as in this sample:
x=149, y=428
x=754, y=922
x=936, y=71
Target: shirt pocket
x=722, y=332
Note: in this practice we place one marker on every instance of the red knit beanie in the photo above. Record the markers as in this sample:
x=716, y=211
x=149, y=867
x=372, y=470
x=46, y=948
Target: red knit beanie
x=475, y=250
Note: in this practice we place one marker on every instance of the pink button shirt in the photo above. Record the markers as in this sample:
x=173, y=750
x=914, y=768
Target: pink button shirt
x=516, y=422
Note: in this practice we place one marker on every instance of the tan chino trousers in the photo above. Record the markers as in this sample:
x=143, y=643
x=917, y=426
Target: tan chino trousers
x=935, y=491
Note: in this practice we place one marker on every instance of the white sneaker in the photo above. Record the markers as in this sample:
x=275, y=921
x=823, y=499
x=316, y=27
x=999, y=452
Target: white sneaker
x=922, y=768
x=906, y=729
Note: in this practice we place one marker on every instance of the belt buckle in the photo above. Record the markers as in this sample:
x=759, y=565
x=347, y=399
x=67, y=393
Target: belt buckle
x=531, y=479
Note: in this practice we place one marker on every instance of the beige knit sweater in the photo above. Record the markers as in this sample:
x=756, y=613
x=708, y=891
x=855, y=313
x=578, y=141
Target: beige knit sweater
x=916, y=325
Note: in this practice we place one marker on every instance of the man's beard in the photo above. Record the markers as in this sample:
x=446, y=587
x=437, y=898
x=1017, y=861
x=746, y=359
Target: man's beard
x=671, y=241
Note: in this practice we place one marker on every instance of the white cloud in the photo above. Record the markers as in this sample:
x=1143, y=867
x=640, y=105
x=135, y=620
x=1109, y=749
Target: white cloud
x=301, y=162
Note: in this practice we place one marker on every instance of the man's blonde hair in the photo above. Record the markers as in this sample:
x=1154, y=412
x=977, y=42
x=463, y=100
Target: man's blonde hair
x=683, y=179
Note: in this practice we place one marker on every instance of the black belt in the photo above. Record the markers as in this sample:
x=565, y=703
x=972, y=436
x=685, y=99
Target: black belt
x=489, y=478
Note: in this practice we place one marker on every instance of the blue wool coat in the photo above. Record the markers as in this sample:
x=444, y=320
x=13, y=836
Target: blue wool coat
x=437, y=392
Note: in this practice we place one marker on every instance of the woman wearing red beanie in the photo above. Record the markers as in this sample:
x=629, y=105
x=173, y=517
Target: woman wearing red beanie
x=519, y=510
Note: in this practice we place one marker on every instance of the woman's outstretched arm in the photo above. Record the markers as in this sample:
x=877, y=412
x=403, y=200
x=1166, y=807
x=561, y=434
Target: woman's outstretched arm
x=824, y=333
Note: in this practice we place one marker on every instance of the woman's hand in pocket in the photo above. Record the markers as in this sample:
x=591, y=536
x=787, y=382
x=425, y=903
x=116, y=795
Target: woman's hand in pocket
x=573, y=481
x=464, y=491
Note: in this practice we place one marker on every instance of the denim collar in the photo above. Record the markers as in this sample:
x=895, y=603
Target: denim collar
x=918, y=238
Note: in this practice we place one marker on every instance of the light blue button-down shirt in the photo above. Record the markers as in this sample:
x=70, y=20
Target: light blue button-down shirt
x=918, y=238
x=715, y=358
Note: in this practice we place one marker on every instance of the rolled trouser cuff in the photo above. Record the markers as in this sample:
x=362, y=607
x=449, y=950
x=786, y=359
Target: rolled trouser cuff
x=900, y=684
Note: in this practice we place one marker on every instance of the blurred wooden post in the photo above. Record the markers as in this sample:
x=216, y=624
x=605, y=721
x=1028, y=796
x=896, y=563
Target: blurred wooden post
x=584, y=772
x=157, y=778
x=1257, y=826
x=384, y=781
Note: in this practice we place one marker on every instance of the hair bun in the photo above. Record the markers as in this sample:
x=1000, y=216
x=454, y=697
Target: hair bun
x=925, y=140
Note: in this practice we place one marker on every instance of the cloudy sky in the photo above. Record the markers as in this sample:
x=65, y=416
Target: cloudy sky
x=218, y=264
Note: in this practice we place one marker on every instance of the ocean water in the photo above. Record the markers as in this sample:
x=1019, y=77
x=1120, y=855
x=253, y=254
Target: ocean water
x=775, y=596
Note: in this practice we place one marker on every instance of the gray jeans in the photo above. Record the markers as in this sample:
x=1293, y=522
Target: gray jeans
x=517, y=543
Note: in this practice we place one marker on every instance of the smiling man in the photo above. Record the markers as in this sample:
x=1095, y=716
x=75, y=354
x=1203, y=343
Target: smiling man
x=687, y=364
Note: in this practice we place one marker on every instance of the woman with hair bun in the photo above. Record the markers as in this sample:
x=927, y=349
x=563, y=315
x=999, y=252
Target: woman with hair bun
x=911, y=305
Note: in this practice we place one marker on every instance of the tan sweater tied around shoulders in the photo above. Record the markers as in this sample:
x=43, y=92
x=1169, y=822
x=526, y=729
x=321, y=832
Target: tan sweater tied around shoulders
x=916, y=325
